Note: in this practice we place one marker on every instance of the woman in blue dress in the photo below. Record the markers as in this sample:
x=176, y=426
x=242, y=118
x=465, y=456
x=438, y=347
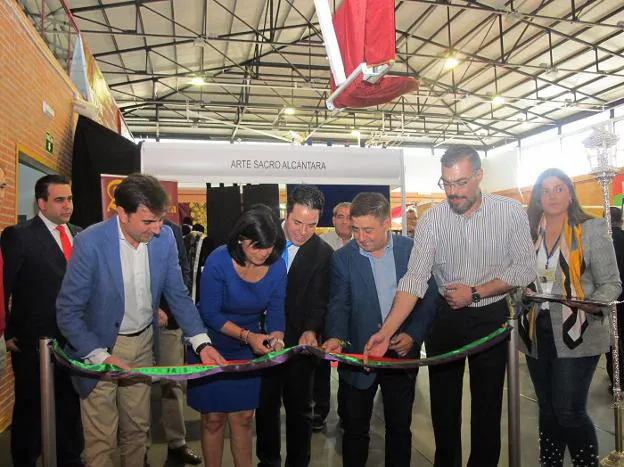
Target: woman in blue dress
x=240, y=282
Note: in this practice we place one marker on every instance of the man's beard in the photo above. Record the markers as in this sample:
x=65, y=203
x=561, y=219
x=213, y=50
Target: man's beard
x=461, y=209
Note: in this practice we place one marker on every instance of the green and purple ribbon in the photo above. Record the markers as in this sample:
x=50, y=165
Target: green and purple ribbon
x=185, y=372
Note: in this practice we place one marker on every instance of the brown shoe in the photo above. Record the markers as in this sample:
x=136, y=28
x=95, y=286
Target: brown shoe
x=185, y=455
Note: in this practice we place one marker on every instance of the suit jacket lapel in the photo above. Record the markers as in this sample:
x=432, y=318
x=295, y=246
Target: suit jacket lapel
x=49, y=243
x=401, y=257
x=112, y=254
x=156, y=267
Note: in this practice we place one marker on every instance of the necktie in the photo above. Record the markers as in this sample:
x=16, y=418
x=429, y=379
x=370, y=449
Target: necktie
x=67, y=246
x=285, y=252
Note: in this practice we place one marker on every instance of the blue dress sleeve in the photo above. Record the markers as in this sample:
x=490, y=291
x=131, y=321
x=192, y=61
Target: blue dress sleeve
x=275, y=319
x=212, y=286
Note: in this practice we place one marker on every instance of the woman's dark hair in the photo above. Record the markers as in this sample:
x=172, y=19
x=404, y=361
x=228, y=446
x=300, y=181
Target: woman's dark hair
x=576, y=215
x=260, y=225
x=140, y=189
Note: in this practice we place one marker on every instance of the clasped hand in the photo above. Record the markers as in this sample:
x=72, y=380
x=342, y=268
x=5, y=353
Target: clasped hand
x=458, y=295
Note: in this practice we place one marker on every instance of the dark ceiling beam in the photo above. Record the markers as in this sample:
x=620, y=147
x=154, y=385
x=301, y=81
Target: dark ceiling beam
x=109, y=6
x=513, y=13
x=274, y=48
x=529, y=77
x=360, y=114
x=114, y=40
x=563, y=121
x=558, y=81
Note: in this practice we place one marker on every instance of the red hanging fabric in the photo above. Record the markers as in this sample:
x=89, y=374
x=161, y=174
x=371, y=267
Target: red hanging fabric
x=365, y=31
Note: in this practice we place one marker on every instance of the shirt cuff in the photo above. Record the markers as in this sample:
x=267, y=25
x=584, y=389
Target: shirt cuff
x=97, y=356
x=199, y=339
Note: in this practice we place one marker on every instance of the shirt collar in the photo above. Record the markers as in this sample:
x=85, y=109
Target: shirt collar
x=387, y=248
x=48, y=223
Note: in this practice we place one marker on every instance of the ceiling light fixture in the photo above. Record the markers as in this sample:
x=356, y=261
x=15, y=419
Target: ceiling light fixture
x=289, y=110
x=451, y=61
x=355, y=133
x=198, y=81
x=498, y=100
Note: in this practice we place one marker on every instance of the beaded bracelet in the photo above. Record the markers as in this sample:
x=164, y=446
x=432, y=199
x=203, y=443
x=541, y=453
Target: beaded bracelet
x=243, y=336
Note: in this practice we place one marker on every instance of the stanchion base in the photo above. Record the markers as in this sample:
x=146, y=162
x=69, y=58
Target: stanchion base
x=615, y=458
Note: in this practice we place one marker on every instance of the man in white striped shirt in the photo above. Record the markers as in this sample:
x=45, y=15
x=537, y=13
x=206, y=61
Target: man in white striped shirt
x=478, y=247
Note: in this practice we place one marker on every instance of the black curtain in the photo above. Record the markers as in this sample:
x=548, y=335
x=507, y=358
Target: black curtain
x=97, y=150
x=223, y=206
x=264, y=194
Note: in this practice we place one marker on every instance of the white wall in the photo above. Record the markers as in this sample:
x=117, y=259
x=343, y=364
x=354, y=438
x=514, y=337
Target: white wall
x=500, y=169
x=422, y=170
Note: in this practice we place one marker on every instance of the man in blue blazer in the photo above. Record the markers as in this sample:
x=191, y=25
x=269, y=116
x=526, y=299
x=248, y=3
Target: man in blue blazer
x=106, y=310
x=363, y=280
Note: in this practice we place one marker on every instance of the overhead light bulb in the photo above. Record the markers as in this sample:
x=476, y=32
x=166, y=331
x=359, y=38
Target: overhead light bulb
x=198, y=81
x=355, y=133
x=451, y=62
x=289, y=110
x=498, y=100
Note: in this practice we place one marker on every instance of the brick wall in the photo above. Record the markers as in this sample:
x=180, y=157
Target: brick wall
x=29, y=75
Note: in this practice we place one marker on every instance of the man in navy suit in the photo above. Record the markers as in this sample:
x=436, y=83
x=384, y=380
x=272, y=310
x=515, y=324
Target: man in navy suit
x=35, y=258
x=363, y=280
x=307, y=260
x=107, y=311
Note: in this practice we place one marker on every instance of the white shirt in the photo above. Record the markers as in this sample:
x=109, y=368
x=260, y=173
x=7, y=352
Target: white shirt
x=55, y=233
x=333, y=240
x=138, y=313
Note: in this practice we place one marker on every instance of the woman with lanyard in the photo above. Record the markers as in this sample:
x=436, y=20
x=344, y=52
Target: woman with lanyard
x=563, y=341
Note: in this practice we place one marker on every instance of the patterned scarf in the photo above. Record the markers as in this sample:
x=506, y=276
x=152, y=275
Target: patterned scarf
x=571, y=267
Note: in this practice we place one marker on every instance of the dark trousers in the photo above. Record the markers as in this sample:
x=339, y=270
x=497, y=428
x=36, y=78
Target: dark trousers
x=26, y=423
x=561, y=386
x=452, y=329
x=397, y=392
x=292, y=383
x=322, y=389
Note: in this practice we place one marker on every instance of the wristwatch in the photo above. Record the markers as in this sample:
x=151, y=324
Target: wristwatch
x=202, y=346
x=476, y=298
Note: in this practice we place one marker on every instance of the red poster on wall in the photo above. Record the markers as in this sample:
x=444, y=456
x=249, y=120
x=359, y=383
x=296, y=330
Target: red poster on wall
x=108, y=184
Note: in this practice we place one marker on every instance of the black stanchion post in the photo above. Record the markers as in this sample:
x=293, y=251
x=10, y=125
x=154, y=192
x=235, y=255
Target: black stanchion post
x=48, y=409
x=513, y=388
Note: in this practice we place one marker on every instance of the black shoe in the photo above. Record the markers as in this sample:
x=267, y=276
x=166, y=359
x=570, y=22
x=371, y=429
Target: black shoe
x=318, y=424
x=184, y=454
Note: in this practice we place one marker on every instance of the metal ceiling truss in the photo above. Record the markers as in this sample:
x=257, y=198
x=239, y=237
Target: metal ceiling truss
x=551, y=60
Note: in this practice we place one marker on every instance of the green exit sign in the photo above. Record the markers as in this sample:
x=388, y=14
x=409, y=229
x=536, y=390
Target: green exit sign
x=49, y=143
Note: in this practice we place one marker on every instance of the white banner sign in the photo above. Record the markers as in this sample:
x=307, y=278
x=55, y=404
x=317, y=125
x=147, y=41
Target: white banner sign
x=267, y=163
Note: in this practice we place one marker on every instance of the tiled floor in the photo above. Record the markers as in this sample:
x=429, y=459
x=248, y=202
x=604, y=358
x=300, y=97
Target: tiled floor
x=326, y=445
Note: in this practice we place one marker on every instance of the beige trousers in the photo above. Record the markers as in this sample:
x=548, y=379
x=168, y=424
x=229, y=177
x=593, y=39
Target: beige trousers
x=172, y=392
x=119, y=410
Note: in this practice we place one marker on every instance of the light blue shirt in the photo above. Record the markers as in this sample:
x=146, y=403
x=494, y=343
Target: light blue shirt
x=384, y=273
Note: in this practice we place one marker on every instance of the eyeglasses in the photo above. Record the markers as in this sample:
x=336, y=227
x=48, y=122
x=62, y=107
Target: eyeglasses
x=461, y=183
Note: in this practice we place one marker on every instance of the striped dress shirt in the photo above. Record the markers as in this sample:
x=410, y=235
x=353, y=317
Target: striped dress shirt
x=492, y=243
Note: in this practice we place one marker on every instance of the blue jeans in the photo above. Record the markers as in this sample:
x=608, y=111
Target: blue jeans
x=561, y=386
